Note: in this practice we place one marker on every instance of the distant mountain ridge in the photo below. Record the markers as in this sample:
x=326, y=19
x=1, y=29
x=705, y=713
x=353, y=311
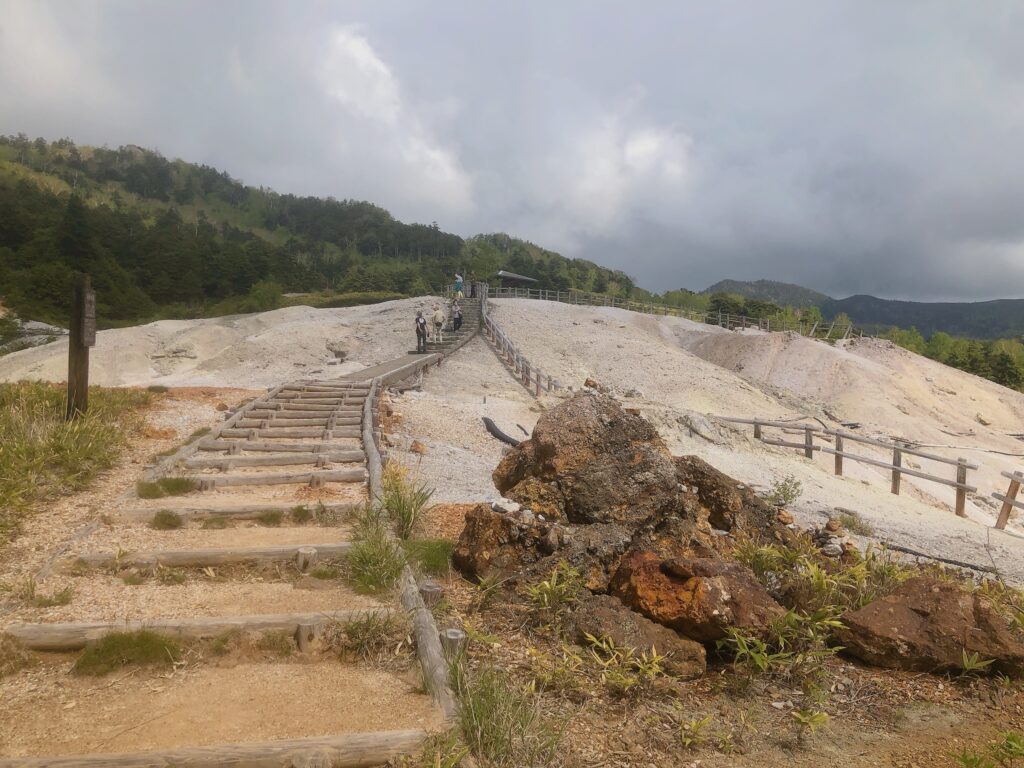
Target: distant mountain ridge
x=785, y=294
x=1001, y=318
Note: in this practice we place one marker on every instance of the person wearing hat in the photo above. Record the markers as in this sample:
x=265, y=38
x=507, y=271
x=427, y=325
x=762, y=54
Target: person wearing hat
x=421, y=331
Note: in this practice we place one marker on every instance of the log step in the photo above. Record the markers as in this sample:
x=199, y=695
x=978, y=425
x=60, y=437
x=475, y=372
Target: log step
x=275, y=460
x=290, y=406
x=74, y=636
x=281, y=413
x=201, y=558
x=238, y=512
x=269, y=423
x=209, y=482
x=316, y=398
x=352, y=750
x=323, y=434
x=245, y=446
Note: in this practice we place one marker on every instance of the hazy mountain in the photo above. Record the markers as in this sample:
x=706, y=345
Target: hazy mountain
x=1001, y=318
x=785, y=294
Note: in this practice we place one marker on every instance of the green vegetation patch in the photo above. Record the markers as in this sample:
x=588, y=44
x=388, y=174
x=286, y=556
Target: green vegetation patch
x=165, y=520
x=375, y=560
x=13, y=656
x=165, y=486
x=124, y=649
x=430, y=556
x=42, y=456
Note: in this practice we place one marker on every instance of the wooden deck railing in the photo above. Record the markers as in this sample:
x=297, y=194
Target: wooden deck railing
x=899, y=450
x=530, y=375
x=817, y=330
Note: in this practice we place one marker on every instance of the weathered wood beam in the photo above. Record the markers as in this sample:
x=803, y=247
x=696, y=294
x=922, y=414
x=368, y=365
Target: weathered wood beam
x=275, y=460
x=324, y=476
x=201, y=558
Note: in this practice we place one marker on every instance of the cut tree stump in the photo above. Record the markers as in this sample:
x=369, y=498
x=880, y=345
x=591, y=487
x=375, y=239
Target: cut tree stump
x=306, y=557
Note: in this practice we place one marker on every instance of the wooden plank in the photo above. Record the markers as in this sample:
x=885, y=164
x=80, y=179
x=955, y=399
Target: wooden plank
x=244, y=446
x=350, y=750
x=199, y=558
x=76, y=635
x=276, y=414
x=890, y=446
x=428, y=645
x=1019, y=476
x=287, y=478
x=781, y=424
x=903, y=470
x=276, y=460
x=789, y=444
x=237, y=512
x=346, y=421
x=338, y=432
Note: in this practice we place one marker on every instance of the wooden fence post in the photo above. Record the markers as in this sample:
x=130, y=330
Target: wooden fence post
x=1011, y=496
x=961, y=492
x=897, y=462
x=538, y=383
x=839, y=455
x=808, y=443
x=82, y=336
x=757, y=430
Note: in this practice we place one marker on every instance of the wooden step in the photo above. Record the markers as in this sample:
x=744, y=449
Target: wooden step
x=322, y=434
x=201, y=558
x=276, y=460
x=244, y=446
x=351, y=750
x=343, y=421
x=73, y=636
x=318, y=400
x=314, y=479
x=235, y=512
x=276, y=414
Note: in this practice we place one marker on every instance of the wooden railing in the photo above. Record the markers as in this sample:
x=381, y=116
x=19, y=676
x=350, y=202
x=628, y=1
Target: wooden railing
x=530, y=375
x=817, y=330
x=839, y=439
x=1009, y=499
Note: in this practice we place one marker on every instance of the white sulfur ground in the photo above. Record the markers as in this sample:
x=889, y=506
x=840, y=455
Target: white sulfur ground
x=677, y=372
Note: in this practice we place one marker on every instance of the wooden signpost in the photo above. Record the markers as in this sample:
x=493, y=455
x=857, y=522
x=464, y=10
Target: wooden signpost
x=82, y=336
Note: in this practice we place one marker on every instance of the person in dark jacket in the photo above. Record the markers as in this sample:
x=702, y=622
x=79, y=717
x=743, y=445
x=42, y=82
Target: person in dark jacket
x=456, y=316
x=421, y=332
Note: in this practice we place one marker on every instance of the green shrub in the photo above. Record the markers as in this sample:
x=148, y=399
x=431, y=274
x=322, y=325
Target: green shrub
x=784, y=491
x=42, y=456
x=271, y=518
x=165, y=520
x=215, y=523
x=121, y=649
x=158, y=389
x=374, y=562
x=280, y=643
x=502, y=723
x=431, y=556
x=165, y=486
x=551, y=598
x=404, y=499
x=854, y=523
x=370, y=637
x=301, y=515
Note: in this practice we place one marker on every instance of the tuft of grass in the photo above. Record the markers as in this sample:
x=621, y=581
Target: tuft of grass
x=325, y=572
x=784, y=491
x=280, y=643
x=165, y=486
x=158, y=389
x=502, y=723
x=201, y=432
x=13, y=656
x=551, y=598
x=375, y=560
x=372, y=637
x=301, y=514
x=133, y=579
x=42, y=456
x=404, y=498
x=431, y=556
x=215, y=523
x=121, y=649
x=854, y=523
x=168, y=576
x=28, y=593
x=271, y=518
x=165, y=520
x=222, y=644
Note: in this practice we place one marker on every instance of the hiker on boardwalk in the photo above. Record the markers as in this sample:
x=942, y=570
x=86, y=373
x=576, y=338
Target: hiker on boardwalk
x=472, y=284
x=456, y=316
x=421, y=331
x=458, y=286
x=438, y=321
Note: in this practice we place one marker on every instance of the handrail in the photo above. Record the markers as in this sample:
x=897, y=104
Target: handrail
x=723, y=319
x=897, y=447
x=530, y=375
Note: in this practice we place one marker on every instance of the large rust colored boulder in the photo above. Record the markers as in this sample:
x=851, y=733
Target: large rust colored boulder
x=701, y=597
x=593, y=550
x=605, y=616
x=926, y=625
x=725, y=503
x=591, y=462
x=496, y=543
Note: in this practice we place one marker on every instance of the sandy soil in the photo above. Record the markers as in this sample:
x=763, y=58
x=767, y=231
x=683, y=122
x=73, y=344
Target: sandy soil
x=258, y=350
x=204, y=706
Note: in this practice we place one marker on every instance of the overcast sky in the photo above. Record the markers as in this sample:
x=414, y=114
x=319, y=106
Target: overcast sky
x=853, y=147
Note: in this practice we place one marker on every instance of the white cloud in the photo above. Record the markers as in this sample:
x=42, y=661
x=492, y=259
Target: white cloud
x=369, y=94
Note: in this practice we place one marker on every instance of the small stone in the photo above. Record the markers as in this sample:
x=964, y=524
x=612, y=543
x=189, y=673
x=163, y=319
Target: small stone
x=222, y=406
x=506, y=506
x=833, y=525
x=784, y=517
x=417, y=447
x=832, y=550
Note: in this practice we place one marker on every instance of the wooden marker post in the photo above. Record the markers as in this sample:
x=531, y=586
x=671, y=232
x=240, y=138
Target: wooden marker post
x=897, y=462
x=961, y=492
x=82, y=336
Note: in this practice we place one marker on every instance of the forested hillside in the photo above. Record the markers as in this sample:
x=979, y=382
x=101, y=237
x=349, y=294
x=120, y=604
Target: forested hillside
x=166, y=238
x=785, y=294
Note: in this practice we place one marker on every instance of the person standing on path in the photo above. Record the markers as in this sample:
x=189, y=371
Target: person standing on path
x=421, y=331
x=438, y=320
x=456, y=316
x=472, y=284
x=458, y=286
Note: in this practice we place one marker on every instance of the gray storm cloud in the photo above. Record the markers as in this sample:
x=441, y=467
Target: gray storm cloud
x=854, y=147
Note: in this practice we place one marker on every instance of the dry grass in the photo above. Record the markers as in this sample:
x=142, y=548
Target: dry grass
x=13, y=656
x=42, y=456
x=122, y=649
